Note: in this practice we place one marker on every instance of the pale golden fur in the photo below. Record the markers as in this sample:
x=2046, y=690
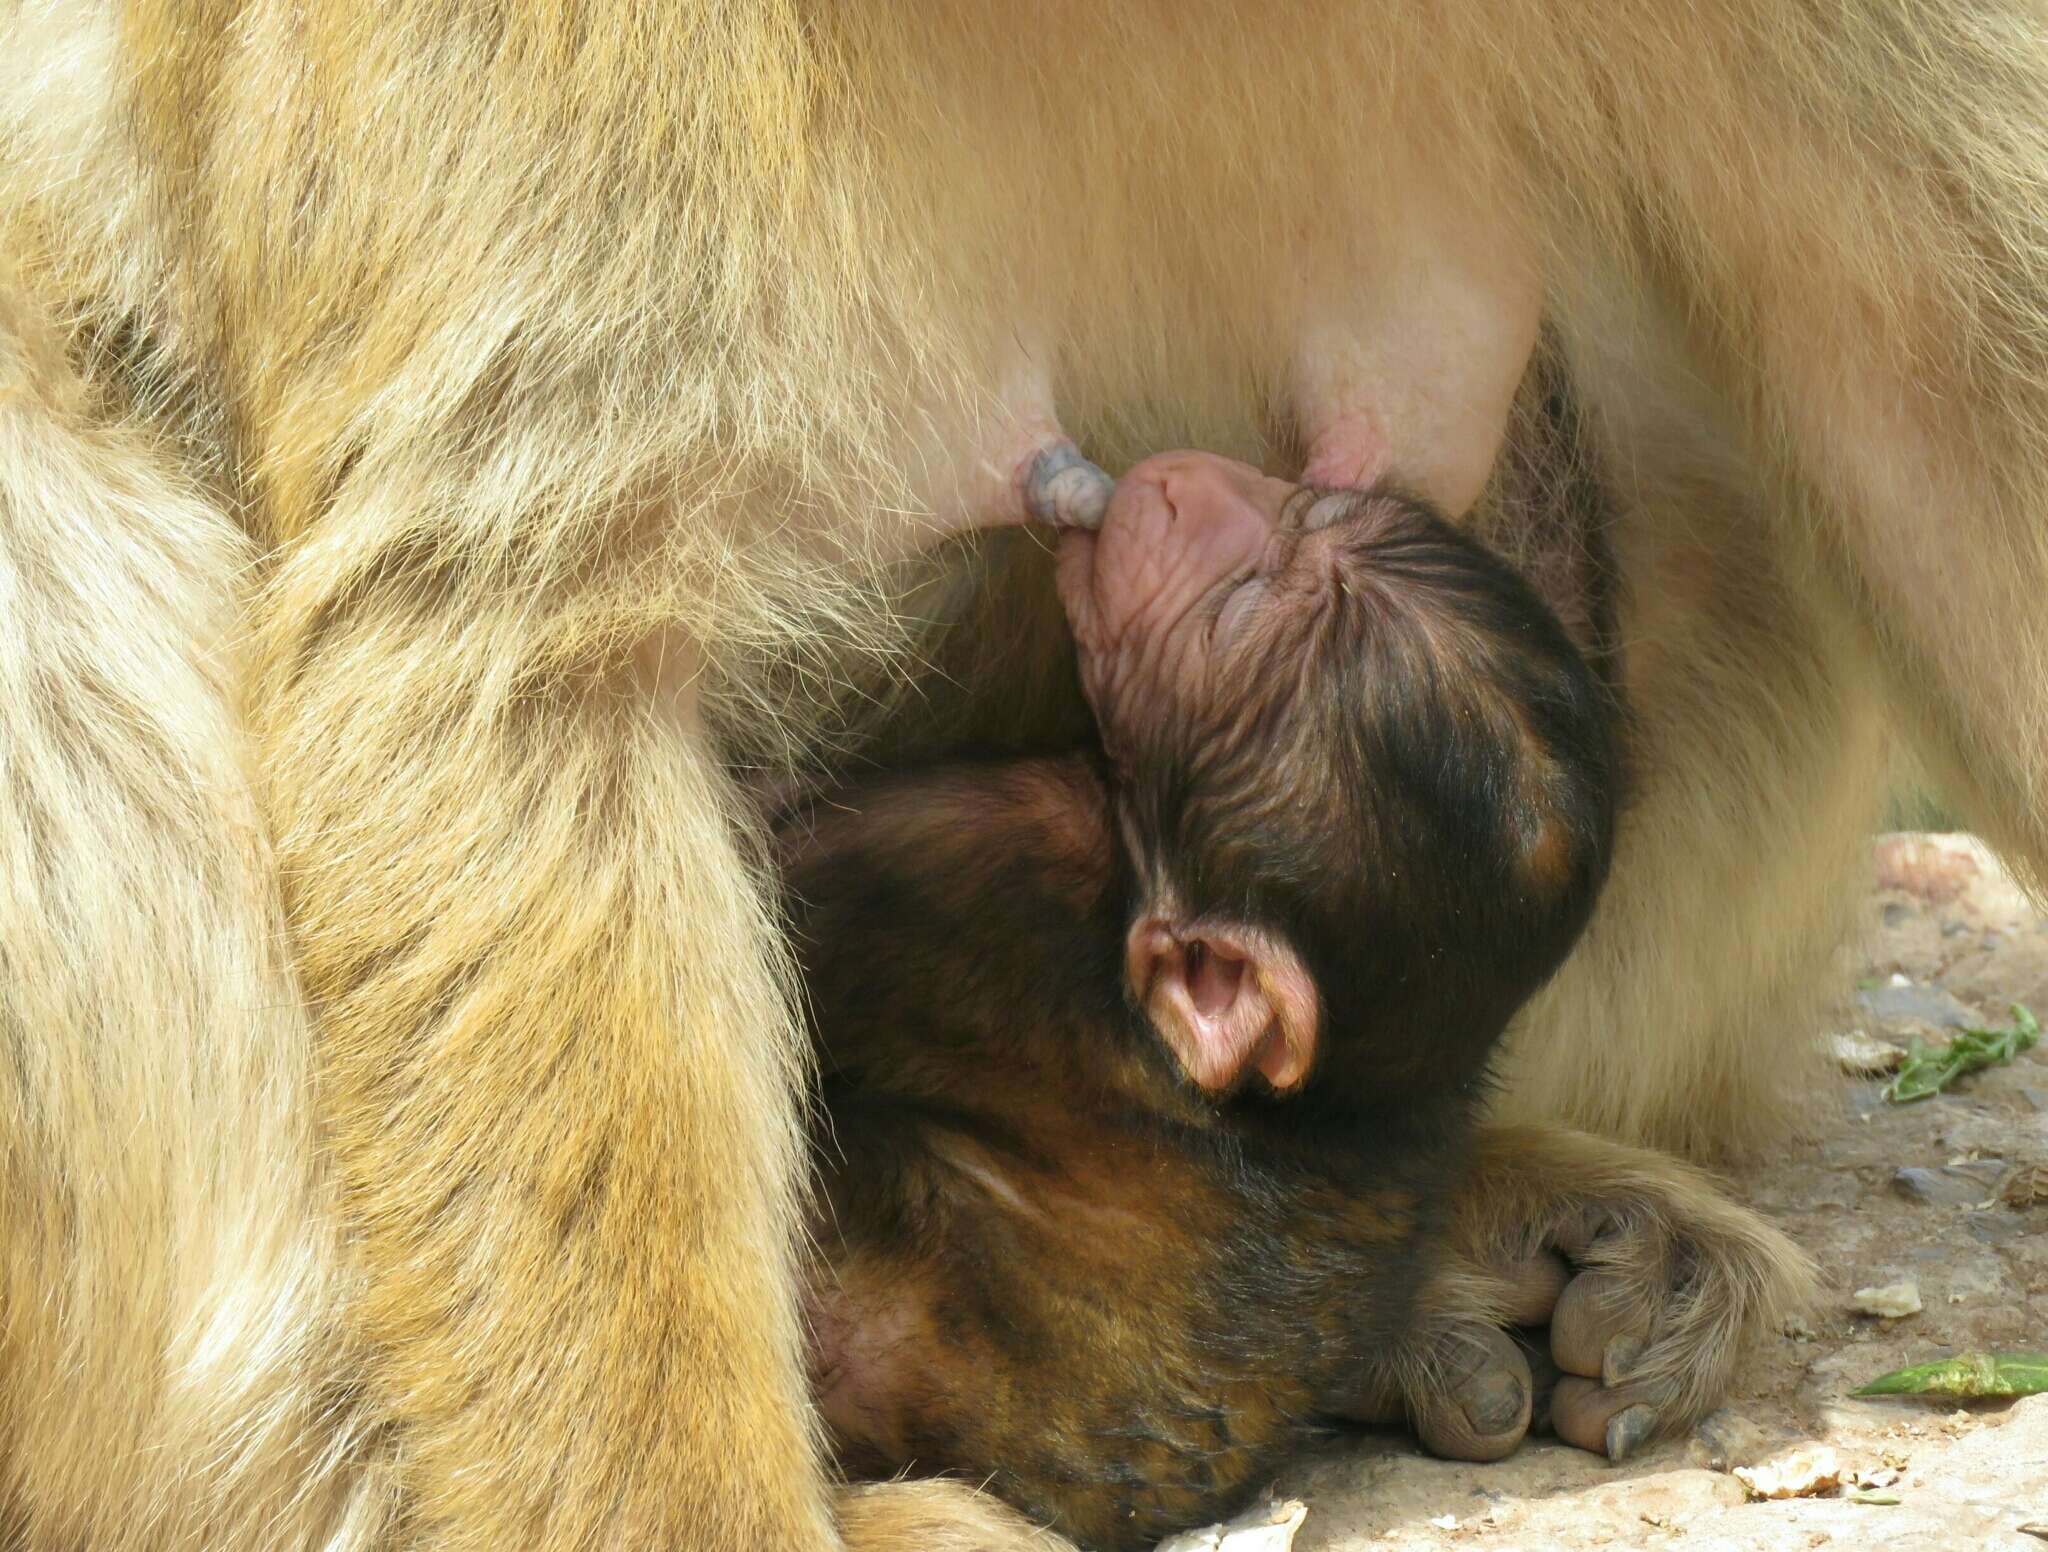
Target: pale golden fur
x=569, y=371
x=172, y=1279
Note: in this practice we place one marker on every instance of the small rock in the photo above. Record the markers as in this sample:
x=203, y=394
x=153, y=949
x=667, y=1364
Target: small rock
x=1807, y=1472
x=1953, y=1185
x=1725, y=1439
x=1985, y=1172
x=1995, y=1228
x=2028, y=1187
x=1897, y=913
x=1910, y=1003
x=1893, y=1301
x=1930, y=1187
x=1941, y=868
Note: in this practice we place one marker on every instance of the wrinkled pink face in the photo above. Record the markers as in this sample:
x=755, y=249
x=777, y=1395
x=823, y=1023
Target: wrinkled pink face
x=1168, y=589
x=1198, y=563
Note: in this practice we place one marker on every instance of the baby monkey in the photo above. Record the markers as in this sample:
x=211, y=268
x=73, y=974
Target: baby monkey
x=1150, y=1071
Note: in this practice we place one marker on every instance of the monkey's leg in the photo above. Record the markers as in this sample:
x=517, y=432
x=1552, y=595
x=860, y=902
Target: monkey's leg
x=1869, y=299
x=171, y=1370
x=1754, y=754
x=1924, y=451
x=559, y=1063
x=1666, y=1276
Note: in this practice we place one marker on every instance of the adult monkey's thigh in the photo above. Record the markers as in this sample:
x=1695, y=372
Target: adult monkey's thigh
x=171, y=1367
x=1872, y=298
x=557, y=1054
x=1861, y=311
x=458, y=346
x=1755, y=770
x=556, y=1060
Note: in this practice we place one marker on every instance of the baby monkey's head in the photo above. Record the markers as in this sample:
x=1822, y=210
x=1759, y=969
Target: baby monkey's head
x=1364, y=783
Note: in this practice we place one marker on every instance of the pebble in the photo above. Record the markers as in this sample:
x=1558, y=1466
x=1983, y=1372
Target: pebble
x=1892, y=1301
x=1996, y=1228
x=1725, y=1439
x=2028, y=1187
x=1953, y=1185
x=1807, y=1472
x=1862, y=1055
x=1910, y=1003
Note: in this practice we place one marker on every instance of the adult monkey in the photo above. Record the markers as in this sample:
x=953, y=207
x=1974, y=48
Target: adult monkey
x=557, y=362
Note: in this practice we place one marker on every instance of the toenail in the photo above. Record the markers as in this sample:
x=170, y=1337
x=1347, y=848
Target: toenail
x=1627, y=1429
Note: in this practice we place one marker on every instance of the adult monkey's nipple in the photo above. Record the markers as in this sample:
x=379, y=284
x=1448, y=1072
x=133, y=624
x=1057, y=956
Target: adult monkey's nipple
x=1064, y=489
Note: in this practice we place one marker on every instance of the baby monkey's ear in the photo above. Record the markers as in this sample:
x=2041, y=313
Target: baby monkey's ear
x=1228, y=1000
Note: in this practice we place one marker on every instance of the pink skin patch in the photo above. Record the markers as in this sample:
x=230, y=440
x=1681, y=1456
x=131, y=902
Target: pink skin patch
x=1406, y=366
x=863, y=1356
x=1347, y=452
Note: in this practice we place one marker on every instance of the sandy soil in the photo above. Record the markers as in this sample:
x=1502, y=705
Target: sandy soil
x=1951, y=943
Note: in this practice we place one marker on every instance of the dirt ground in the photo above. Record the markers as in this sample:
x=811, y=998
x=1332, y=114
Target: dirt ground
x=1951, y=943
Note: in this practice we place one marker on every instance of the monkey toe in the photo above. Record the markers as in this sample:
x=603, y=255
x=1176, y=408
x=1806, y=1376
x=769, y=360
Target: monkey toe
x=1609, y=1338
x=1478, y=1406
x=1614, y=1422
x=1600, y=1326
x=1639, y=1339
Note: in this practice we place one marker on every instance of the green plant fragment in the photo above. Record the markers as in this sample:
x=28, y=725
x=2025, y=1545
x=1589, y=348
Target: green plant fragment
x=1967, y=1376
x=1928, y=1068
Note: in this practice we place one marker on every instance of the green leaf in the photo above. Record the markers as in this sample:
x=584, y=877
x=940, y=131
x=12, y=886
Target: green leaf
x=1967, y=1375
x=1928, y=1069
